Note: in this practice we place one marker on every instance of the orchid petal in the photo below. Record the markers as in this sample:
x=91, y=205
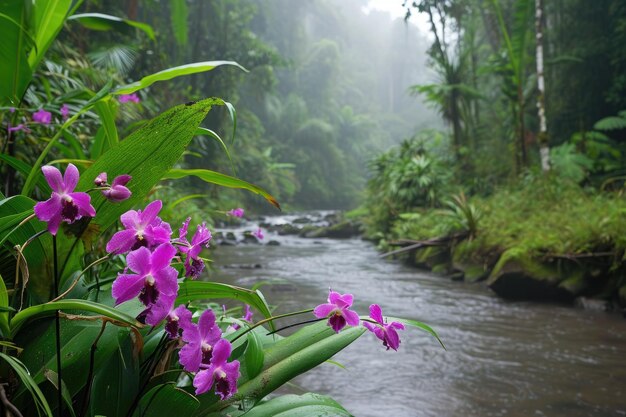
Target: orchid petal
x=221, y=352
x=83, y=201
x=121, y=241
x=46, y=210
x=323, y=310
x=351, y=317
x=54, y=178
x=190, y=356
x=151, y=211
x=126, y=287
x=139, y=261
x=376, y=313
x=203, y=381
x=70, y=178
x=130, y=219
x=166, y=280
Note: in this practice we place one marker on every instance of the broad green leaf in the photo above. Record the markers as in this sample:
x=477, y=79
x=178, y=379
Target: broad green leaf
x=48, y=309
x=201, y=290
x=166, y=400
x=116, y=384
x=4, y=303
x=77, y=337
x=38, y=254
x=53, y=377
x=233, y=118
x=49, y=18
x=147, y=154
x=179, y=13
x=297, y=362
x=24, y=169
x=174, y=72
x=299, y=406
x=105, y=22
x=106, y=110
x=185, y=198
x=220, y=179
x=253, y=355
x=15, y=72
x=29, y=383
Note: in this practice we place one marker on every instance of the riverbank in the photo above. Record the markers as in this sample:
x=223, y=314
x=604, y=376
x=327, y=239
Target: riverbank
x=546, y=241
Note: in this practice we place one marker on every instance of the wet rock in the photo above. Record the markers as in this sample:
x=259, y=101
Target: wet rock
x=243, y=266
x=517, y=276
x=592, y=304
x=343, y=230
x=248, y=238
x=288, y=229
x=457, y=276
x=226, y=242
x=302, y=220
x=231, y=236
x=273, y=243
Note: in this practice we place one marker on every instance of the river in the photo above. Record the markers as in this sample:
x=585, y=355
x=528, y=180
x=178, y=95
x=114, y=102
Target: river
x=502, y=359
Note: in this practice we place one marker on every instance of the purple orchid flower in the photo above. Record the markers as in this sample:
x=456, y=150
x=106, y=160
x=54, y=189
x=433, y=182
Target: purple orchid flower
x=12, y=109
x=142, y=228
x=64, y=205
x=200, y=339
x=153, y=278
x=42, y=116
x=384, y=331
x=118, y=190
x=258, y=233
x=338, y=309
x=125, y=98
x=236, y=212
x=101, y=180
x=18, y=128
x=176, y=319
x=221, y=373
x=193, y=265
x=65, y=111
x=247, y=317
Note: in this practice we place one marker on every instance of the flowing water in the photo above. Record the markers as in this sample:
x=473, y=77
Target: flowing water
x=502, y=358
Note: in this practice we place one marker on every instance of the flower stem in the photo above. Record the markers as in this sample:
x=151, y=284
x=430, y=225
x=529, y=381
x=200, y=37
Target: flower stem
x=296, y=324
x=280, y=316
x=57, y=326
x=91, y=265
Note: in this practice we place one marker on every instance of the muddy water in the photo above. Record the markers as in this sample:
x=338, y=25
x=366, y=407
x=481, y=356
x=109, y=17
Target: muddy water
x=502, y=358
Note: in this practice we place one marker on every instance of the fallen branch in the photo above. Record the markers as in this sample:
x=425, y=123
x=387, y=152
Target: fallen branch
x=409, y=245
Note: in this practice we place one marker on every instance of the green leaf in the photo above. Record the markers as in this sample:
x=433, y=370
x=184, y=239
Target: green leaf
x=53, y=377
x=419, y=325
x=220, y=179
x=174, y=72
x=4, y=315
x=173, y=205
x=48, y=309
x=610, y=123
x=77, y=337
x=299, y=406
x=253, y=355
x=166, y=400
x=293, y=362
x=199, y=290
x=49, y=18
x=29, y=383
x=147, y=154
x=25, y=169
x=15, y=73
x=105, y=22
x=106, y=110
x=179, y=14
x=116, y=384
x=202, y=131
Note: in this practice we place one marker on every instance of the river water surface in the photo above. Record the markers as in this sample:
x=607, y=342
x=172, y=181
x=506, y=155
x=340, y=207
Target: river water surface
x=502, y=359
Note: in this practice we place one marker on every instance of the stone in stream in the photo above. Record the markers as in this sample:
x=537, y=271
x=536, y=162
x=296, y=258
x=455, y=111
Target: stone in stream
x=273, y=243
x=517, y=276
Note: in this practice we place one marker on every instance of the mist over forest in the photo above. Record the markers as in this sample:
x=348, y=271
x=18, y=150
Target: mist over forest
x=327, y=90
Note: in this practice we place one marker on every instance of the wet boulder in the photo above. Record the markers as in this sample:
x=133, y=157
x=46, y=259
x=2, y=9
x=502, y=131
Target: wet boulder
x=517, y=276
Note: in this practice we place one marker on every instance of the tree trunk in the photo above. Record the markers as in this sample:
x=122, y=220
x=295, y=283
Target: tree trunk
x=544, y=149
